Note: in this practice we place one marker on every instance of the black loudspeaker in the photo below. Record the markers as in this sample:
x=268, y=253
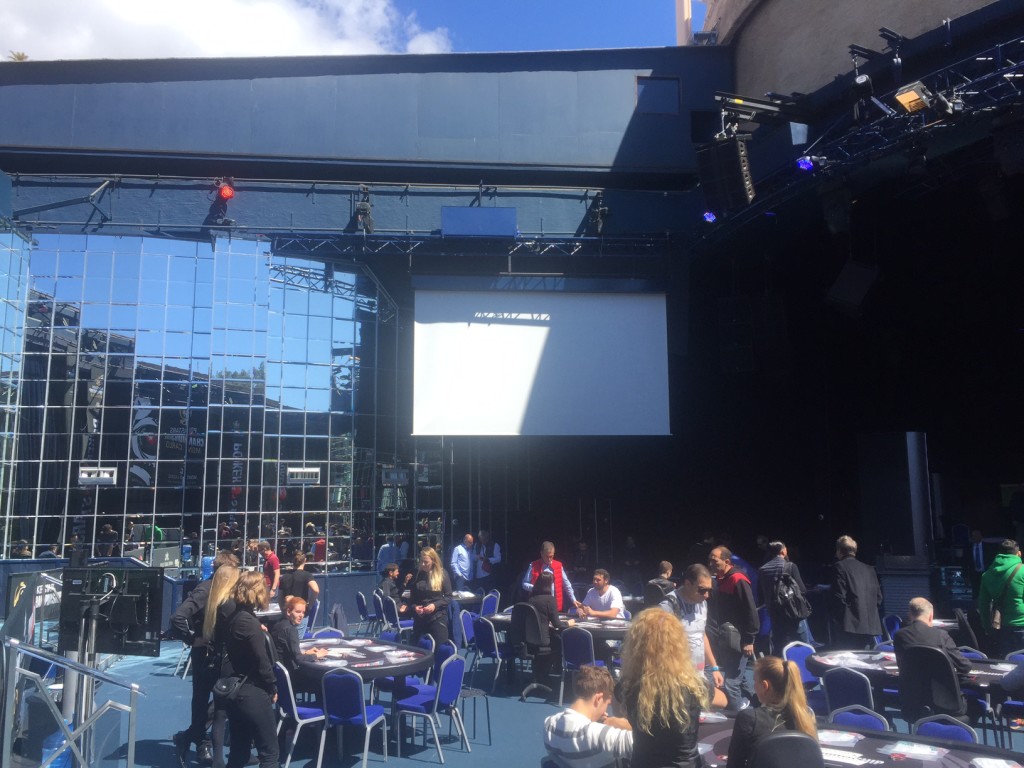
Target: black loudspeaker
x=79, y=558
x=724, y=170
x=895, y=494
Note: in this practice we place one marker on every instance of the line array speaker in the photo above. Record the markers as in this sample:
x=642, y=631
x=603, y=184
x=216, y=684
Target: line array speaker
x=724, y=170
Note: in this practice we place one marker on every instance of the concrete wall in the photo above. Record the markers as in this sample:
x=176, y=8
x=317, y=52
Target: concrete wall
x=802, y=45
x=403, y=117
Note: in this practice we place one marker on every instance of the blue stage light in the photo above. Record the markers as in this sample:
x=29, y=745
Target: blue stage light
x=709, y=217
x=805, y=163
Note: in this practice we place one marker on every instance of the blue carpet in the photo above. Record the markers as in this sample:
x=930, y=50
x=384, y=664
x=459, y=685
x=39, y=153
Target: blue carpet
x=517, y=727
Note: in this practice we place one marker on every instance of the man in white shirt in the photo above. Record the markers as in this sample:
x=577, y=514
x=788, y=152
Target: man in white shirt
x=462, y=562
x=603, y=601
x=690, y=603
x=388, y=553
x=583, y=736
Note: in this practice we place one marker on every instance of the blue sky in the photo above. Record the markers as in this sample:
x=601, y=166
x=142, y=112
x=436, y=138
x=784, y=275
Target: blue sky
x=532, y=25
x=130, y=29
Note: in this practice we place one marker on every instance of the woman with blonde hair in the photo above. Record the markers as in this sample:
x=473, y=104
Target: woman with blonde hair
x=783, y=707
x=662, y=692
x=251, y=713
x=222, y=586
x=429, y=595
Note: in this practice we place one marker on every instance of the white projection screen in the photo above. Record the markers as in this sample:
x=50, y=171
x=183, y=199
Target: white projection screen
x=540, y=363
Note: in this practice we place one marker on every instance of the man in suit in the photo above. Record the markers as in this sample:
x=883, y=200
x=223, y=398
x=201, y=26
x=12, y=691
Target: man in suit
x=855, y=597
x=921, y=632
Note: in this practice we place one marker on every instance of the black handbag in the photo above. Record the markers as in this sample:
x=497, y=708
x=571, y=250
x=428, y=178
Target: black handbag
x=228, y=688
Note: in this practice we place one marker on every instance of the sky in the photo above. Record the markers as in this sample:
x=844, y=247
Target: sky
x=128, y=29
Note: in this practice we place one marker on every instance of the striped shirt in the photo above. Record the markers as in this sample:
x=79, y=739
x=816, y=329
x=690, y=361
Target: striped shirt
x=573, y=739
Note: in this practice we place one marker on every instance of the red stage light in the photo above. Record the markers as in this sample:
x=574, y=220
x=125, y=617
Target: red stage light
x=225, y=191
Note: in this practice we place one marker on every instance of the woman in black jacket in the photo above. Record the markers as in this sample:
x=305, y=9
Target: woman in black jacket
x=783, y=707
x=251, y=714
x=429, y=596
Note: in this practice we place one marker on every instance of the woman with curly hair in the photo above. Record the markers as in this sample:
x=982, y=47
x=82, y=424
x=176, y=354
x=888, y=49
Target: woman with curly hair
x=662, y=692
x=783, y=707
x=429, y=596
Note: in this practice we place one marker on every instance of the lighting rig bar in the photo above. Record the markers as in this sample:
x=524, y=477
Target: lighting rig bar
x=586, y=247
x=989, y=80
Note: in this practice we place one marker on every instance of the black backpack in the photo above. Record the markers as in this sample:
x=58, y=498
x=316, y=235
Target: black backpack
x=787, y=599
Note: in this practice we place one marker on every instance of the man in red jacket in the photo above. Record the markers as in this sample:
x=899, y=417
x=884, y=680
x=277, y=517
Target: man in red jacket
x=564, y=596
x=733, y=612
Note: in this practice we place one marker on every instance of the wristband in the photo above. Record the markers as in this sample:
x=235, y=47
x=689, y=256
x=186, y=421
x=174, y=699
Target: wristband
x=715, y=669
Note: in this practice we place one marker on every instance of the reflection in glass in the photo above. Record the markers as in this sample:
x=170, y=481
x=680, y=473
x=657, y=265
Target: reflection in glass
x=200, y=375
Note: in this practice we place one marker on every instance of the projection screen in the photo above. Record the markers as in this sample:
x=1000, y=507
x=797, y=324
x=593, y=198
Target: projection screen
x=540, y=363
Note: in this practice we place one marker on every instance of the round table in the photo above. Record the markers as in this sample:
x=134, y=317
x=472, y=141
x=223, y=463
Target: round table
x=370, y=658
x=601, y=629
x=880, y=667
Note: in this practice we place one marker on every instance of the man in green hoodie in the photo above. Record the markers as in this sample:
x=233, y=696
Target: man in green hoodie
x=1002, y=587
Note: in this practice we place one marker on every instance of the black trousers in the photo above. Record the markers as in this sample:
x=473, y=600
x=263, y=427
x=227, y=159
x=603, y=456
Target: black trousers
x=252, y=722
x=203, y=679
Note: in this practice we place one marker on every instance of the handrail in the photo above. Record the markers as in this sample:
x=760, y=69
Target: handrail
x=76, y=740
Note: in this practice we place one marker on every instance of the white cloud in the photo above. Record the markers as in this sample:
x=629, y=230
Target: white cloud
x=132, y=29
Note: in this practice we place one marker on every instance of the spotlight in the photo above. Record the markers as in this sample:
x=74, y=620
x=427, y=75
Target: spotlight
x=862, y=86
x=709, y=217
x=225, y=188
x=914, y=97
x=811, y=163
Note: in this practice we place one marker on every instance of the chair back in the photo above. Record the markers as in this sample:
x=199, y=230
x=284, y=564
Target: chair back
x=1017, y=657
x=964, y=632
x=361, y=607
x=885, y=647
x=928, y=684
x=378, y=606
x=285, y=692
x=449, y=681
x=892, y=624
x=388, y=636
x=442, y=653
x=468, y=635
x=312, y=608
x=271, y=648
x=784, y=749
x=489, y=605
x=426, y=642
x=862, y=718
x=845, y=687
x=343, y=694
x=577, y=647
x=526, y=634
x=328, y=633
x=486, y=637
x=970, y=653
x=945, y=727
x=798, y=652
x=391, y=612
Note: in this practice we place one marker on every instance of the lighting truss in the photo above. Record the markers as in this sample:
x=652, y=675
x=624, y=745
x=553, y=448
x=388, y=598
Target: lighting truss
x=986, y=81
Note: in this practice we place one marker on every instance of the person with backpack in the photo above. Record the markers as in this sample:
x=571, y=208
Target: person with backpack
x=783, y=592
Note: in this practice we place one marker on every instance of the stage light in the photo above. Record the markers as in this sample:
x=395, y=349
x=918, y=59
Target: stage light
x=709, y=217
x=811, y=163
x=862, y=86
x=914, y=97
x=225, y=188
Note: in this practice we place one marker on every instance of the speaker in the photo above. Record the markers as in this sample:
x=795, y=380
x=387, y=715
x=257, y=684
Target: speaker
x=895, y=494
x=724, y=170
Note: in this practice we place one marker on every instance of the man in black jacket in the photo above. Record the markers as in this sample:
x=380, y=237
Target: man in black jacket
x=187, y=625
x=735, y=624
x=921, y=632
x=855, y=596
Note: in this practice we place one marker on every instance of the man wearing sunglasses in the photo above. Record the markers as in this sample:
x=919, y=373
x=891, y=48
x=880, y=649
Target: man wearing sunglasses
x=690, y=604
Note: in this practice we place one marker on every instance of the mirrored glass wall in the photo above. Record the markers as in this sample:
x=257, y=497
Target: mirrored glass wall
x=164, y=399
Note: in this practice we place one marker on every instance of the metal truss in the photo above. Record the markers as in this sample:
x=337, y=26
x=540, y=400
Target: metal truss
x=988, y=81
x=566, y=247
x=323, y=281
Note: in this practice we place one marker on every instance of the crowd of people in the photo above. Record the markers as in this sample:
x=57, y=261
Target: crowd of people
x=698, y=644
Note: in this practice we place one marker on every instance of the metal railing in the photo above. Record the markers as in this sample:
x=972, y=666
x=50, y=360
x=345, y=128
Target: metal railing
x=79, y=738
